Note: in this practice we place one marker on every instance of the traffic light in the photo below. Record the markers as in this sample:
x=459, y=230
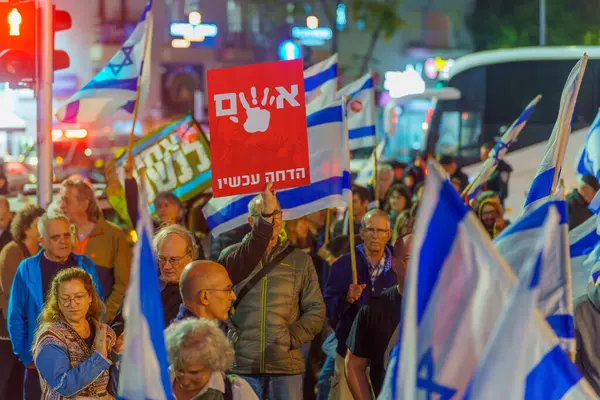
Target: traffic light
x=20, y=36
x=17, y=42
x=62, y=22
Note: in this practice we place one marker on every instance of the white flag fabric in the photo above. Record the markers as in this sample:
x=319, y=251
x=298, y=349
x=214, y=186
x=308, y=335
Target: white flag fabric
x=115, y=86
x=365, y=175
x=584, y=247
x=360, y=97
x=320, y=84
x=500, y=149
x=556, y=296
x=588, y=162
x=523, y=359
x=545, y=182
x=144, y=370
x=456, y=288
x=329, y=175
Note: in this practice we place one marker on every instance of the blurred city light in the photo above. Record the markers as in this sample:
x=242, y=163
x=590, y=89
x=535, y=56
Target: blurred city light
x=180, y=44
x=195, y=18
x=289, y=50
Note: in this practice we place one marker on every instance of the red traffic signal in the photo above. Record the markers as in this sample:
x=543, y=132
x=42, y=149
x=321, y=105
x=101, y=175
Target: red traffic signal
x=62, y=22
x=19, y=44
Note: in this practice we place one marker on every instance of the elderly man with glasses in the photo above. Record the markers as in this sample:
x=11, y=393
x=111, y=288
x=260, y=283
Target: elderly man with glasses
x=279, y=306
x=207, y=292
x=175, y=247
x=344, y=298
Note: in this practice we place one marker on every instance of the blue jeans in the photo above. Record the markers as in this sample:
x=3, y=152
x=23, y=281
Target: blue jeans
x=276, y=387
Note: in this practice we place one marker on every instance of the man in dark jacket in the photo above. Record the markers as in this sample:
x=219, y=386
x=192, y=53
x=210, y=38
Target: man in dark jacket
x=579, y=200
x=343, y=298
x=375, y=326
x=280, y=313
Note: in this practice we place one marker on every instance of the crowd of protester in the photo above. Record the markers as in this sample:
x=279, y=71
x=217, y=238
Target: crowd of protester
x=273, y=313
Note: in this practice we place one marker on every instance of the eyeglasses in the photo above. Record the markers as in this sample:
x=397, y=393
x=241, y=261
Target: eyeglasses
x=277, y=214
x=77, y=299
x=373, y=231
x=180, y=373
x=227, y=289
x=174, y=261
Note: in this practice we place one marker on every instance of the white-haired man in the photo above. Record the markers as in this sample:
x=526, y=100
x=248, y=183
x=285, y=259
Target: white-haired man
x=344, y=298
x=278, y=314
x=30, y=287
x=175, y=247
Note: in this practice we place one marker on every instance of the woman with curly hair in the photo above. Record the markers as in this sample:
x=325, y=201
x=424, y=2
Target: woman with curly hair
x=75, y=354
x=199, y=354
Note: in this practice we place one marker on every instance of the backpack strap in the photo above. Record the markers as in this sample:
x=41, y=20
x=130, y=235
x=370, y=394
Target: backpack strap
x=260, y=274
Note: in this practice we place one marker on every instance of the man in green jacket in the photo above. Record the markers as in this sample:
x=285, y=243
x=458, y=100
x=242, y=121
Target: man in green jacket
x=282, y=311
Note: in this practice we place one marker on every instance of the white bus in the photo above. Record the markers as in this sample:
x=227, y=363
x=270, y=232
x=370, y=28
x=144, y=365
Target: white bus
x=495, y=86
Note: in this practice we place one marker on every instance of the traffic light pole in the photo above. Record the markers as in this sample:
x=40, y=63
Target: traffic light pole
x=44, y=105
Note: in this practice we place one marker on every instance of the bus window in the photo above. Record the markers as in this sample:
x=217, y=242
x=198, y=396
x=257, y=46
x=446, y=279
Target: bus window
x=459, y=133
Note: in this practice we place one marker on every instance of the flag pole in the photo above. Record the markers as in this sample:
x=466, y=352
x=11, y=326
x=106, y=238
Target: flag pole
x=350, y=216
x=149, y=25
x=375, y=161
x=328, y=226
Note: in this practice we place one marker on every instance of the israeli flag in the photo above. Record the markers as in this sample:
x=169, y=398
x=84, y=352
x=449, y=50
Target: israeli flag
x=500, y=149
x=584, y=246
x=329, y=175
x=455, y=291
x=556, y=296
x=115, y=86
x=588, y=162
x=144, y=370
x=320, y=84
x=523, y=359
x=360, y=100
x=366, y=173
x=548, y=174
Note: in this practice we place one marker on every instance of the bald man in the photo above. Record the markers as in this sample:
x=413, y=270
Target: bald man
x=206, y=290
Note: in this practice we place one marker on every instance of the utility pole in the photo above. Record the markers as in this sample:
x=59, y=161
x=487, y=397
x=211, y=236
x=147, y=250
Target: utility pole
x=542, y=22
x=44, y=104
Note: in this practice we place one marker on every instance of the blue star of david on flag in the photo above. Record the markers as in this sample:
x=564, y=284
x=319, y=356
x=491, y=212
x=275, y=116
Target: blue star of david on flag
x=425, y=379
x=116, y=86
x=116, y=68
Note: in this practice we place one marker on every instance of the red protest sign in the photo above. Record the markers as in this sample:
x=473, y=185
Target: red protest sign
x=258, y=134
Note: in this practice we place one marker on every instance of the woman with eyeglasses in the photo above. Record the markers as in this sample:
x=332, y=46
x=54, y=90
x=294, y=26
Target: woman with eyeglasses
x=76, y=355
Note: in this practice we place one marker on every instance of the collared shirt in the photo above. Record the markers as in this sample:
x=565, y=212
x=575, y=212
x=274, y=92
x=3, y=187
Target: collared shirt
x=239, y=387
x=380, y=267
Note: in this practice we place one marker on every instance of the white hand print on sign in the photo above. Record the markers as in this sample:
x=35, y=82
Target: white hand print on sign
x=257, y=116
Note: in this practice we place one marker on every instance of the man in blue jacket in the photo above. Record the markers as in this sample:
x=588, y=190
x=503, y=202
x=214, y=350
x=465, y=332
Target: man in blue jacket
x=343, y=298
x=30, y=287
